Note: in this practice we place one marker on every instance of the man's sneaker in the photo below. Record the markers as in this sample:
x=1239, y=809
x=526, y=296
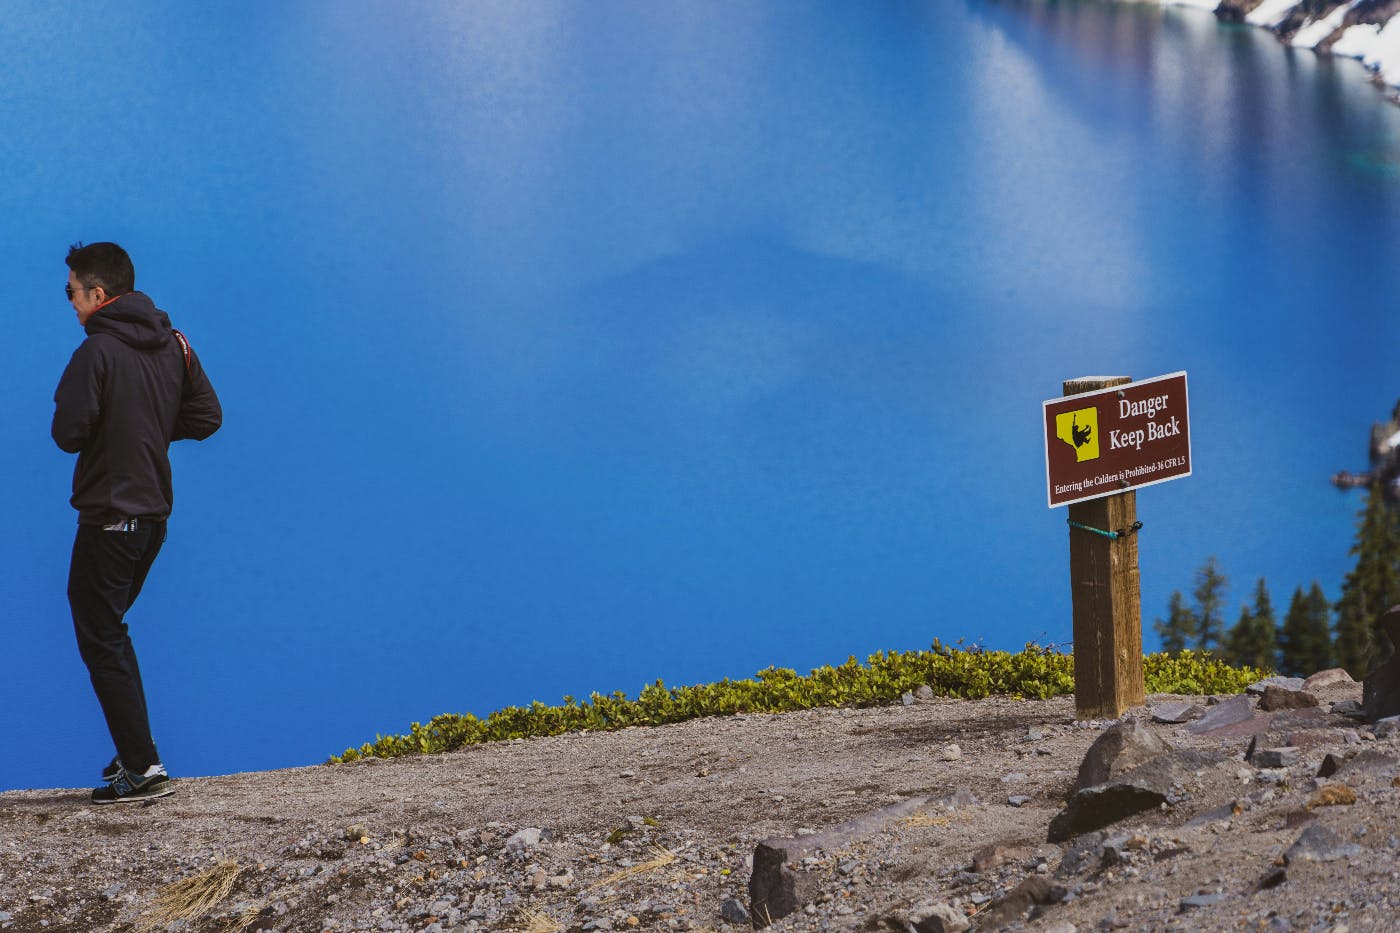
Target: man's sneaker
x=114, y=769
x=131, y=788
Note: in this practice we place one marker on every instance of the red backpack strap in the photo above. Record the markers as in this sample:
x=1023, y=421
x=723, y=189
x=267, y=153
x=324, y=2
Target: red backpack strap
x=184, y=345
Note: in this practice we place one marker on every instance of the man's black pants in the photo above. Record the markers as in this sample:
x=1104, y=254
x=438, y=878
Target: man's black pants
x=104, y=579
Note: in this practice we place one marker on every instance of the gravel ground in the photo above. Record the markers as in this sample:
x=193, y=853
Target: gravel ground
x=655, y=829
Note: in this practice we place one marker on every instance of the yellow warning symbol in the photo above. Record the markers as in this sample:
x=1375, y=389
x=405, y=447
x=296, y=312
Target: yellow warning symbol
x=1080, y=430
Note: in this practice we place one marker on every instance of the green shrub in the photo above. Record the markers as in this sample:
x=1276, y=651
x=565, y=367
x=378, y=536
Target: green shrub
x=966, y=673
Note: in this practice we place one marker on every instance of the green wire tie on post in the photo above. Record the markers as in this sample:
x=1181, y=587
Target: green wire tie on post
x=1110, y=535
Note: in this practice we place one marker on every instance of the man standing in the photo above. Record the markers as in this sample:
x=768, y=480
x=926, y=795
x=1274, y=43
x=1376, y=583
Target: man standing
x=132, y=386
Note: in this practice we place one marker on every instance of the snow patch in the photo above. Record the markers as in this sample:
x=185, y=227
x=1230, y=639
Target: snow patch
x=1270, y=12
x=1385, y=56
x=1310, y=35
x=1378, y=48
x=1357, y=41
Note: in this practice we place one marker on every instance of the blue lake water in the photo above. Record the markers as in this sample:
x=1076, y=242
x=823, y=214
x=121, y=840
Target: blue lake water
x=565, y=346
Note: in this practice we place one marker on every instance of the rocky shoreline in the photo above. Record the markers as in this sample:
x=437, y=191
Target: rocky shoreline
x=1257, y=812
x=1366, y=30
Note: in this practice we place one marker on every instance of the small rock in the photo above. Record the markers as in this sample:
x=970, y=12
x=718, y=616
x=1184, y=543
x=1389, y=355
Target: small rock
x=1284, y=757
x=1020, y=800
x=1276, y=698
x=1015, y=777
x=518, y=845
x=951, y=753
x=924, y=693
x=1320, y=843
x=907, y=698
x=1223, y=714
x=734, y=911
x=1173, y=713
x=1081, y=854
x=1333, y=675
x=1200, y=900
x=1385, y=728
x=939, y=918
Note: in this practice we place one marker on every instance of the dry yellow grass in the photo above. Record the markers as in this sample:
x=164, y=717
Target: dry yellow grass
x=191, y=898
x=927, y=819
x=536, y=921
x=660, y=859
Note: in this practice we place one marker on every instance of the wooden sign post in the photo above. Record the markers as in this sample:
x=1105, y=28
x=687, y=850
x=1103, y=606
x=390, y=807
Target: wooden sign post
x=1107, y=593
x=1106, y=437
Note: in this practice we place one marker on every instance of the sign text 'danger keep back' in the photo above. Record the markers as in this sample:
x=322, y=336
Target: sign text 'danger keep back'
x=1116, y=439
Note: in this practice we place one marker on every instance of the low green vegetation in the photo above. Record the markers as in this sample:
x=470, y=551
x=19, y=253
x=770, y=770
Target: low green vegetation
x=965, y=673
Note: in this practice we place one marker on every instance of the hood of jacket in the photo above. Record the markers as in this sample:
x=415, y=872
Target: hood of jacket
x=134, y=319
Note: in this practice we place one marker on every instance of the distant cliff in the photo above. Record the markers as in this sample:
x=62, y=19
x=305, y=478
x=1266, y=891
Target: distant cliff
x=1367, y=30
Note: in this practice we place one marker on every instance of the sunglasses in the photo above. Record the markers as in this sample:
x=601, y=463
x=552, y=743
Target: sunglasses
x=68, y=290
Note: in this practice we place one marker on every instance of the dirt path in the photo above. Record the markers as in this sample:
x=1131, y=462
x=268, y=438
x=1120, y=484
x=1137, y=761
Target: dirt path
x=655, y=829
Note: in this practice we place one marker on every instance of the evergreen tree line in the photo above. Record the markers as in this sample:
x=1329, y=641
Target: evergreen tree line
x=1310, y=638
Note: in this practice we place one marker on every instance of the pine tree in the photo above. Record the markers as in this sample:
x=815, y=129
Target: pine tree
x=1251, y=642
x=1210, y=605
x=1372, y=586
x=1305, y=642
x=1179, y=629
x=1264, y=609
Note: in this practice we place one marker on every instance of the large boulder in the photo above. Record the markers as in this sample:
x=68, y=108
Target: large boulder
x=1121, y=748
x=1156, y=781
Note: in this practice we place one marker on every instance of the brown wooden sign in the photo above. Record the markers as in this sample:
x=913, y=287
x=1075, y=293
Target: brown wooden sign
x=1120, y=438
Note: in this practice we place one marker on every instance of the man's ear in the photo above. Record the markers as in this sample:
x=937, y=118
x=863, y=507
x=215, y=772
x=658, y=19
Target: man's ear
x=99, y=294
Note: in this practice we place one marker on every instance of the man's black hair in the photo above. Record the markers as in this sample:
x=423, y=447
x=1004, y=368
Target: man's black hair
x=105, y=264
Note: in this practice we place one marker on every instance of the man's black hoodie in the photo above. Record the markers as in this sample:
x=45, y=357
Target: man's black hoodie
x=125, y=395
